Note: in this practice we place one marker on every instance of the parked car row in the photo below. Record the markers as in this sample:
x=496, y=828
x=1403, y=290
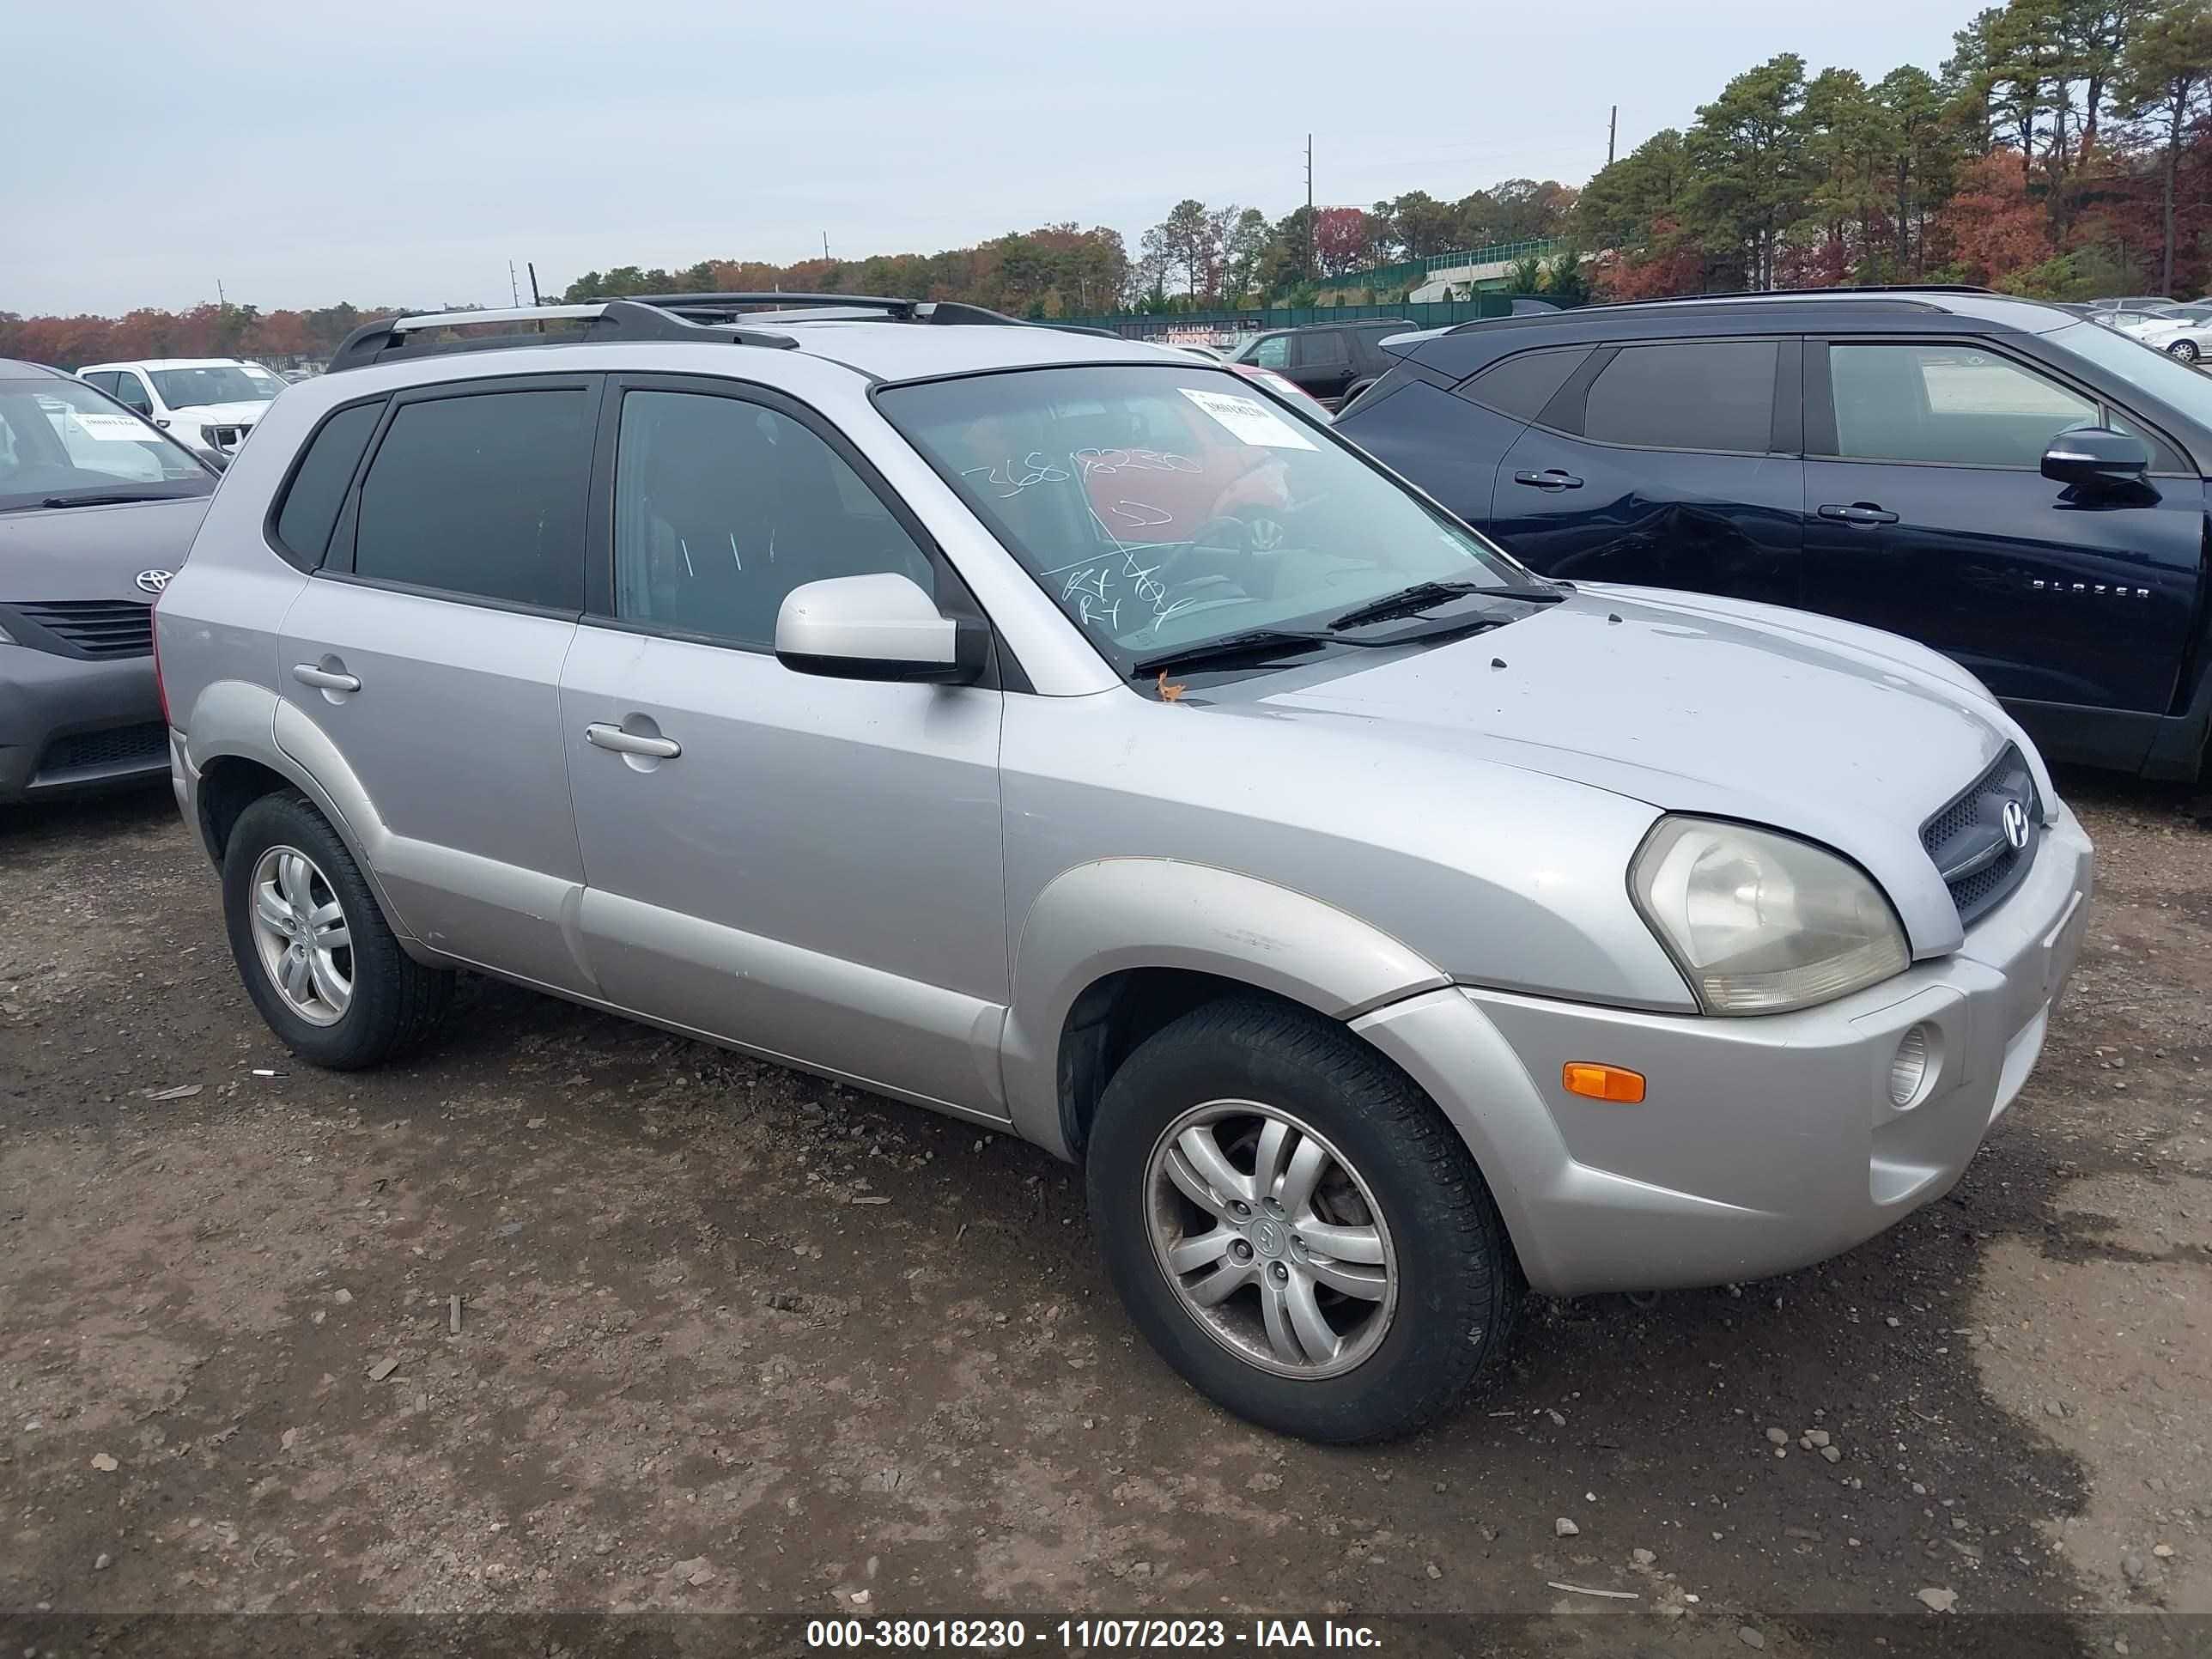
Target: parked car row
x=1080, y=738
x=2001, y=480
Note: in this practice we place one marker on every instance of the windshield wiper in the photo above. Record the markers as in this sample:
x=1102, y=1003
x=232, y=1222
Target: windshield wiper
x=1421, y=595
x=1232, y=647
x=115, y=499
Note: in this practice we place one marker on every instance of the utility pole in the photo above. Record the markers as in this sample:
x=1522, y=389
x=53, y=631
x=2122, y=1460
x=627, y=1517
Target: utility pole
x=825, y=244
x=220, y=303
x=1612, y=132
x=513, y=291
x=531, y=266
x=1313, y=255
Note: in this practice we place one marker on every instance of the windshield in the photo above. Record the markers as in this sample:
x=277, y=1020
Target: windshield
x=62, y=440
x=1162, y=508
x=222, y=383
x=2166, y=379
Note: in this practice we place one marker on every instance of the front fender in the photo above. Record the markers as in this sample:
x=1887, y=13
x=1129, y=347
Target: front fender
x=1113, y=915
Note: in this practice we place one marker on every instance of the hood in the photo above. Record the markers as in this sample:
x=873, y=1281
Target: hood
x=240, y=414
x=1840, y=734
x=93, y=552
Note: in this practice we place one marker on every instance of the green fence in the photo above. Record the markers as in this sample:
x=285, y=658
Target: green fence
x=1412, y=273
x=1149, y=326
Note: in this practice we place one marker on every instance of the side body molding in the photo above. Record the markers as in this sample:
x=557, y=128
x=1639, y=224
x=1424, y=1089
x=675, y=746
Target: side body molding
x=1113, y=914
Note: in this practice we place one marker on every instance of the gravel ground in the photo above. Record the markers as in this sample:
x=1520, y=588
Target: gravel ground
x=730, y=1338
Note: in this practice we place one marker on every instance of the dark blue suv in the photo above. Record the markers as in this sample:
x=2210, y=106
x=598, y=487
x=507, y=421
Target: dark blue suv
x=2002, y=480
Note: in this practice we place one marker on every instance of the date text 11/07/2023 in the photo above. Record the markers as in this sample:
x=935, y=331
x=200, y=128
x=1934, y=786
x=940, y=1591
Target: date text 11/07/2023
x=1086, y=1635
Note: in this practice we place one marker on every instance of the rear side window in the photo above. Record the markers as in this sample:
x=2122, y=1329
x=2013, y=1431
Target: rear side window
x=483, y=496
x=1521, y=386
x=1321, y=349
x=1716, y=394
x=318, y=485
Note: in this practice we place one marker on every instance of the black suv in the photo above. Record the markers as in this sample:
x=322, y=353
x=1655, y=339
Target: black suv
x=2015, y=486
x=1331, y=361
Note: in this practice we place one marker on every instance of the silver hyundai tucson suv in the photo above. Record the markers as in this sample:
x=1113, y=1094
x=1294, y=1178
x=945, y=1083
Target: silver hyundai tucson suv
x=1077, y=740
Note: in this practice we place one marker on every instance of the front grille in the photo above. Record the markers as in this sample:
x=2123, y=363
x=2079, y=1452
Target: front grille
x=1968, y=842
x=96, y=628
x=121, y=745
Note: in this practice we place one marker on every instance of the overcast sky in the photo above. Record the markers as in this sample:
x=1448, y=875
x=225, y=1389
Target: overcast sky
x=302, y=153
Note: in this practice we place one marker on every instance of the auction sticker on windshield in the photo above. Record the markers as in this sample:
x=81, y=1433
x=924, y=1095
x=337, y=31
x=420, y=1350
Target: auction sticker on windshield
x=1248, y=420
x=97, y=423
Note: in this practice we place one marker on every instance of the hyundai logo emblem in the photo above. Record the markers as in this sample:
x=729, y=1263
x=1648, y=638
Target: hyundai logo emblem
x=154, y=581
x=2015, y=824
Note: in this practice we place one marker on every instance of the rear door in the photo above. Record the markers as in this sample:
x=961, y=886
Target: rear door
x=427, y=651
x=1670, y=463
x=1321, y=363
x=1927, y=514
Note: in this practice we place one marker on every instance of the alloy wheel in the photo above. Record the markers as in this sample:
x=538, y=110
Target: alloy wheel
x=301, y=934
x=1272, y=1240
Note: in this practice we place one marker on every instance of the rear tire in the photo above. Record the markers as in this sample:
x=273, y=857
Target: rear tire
x=1418, y=1290
x=315, y=953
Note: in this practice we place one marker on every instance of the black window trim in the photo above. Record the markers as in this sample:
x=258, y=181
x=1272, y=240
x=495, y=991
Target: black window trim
x=1571, y=403
x=1821, y=443
x=343, y=536
x=296, y=557
x=1002, y=671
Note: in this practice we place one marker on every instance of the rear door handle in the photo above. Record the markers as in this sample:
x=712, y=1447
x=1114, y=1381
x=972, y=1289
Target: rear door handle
x=1859, y=513
x=323, y=679
x=628, y=743
x=1550, y=478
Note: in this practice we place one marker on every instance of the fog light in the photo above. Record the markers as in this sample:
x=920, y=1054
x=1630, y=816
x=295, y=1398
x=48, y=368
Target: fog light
x=1909, y=1070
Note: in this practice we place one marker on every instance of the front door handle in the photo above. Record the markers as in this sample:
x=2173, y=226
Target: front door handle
x=1550, y=478
x=1859, y=513
x=628, y=743
x=324, y=679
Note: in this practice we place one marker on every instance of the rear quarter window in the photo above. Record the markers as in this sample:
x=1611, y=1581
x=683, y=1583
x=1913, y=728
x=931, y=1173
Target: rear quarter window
x=308, y=509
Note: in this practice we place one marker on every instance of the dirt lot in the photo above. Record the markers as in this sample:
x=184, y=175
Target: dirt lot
x=734, y=1338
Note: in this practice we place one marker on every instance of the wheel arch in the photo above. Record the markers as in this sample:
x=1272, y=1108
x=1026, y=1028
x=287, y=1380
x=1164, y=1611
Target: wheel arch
x=1113, y=949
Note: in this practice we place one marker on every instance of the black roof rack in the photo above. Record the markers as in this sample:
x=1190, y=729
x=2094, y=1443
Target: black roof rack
x=390, y=338
x=1903, y=290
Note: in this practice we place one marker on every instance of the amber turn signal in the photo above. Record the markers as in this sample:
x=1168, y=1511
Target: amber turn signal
x=1615, y=1083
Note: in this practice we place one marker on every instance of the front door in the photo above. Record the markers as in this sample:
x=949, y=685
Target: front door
x=1927, y=514
x=809, y=866
x=427, y=652
x=1672, y=465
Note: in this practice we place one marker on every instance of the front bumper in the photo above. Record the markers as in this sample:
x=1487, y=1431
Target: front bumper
x=69, y=727
x=1764, y=1144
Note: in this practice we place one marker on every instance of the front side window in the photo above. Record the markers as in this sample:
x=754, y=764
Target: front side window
x=218, y=383
x=1951, y=404
x=1711, y=394
x=132, y=392
x=1162, y=508
x=482, y=497
x=61, y=442
x=1274, y=352
x=722, y=507
x=2147, y=371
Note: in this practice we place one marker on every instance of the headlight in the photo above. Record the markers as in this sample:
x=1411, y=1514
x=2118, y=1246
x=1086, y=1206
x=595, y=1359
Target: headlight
x=1761, y=922
x=207, y=437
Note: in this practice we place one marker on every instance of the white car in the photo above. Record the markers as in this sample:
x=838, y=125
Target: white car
x=2184, y=332
x=207, y=403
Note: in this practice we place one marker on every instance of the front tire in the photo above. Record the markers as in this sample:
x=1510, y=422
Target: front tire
x=2185, y=350
x=315, y=953
x=1296, y=1228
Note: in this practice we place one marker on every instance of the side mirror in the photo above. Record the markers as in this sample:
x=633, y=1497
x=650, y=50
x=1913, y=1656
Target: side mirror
x=2096, y=457
x=876, y=628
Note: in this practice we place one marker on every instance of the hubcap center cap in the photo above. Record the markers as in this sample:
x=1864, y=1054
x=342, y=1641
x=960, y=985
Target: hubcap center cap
x=1269, y=1237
